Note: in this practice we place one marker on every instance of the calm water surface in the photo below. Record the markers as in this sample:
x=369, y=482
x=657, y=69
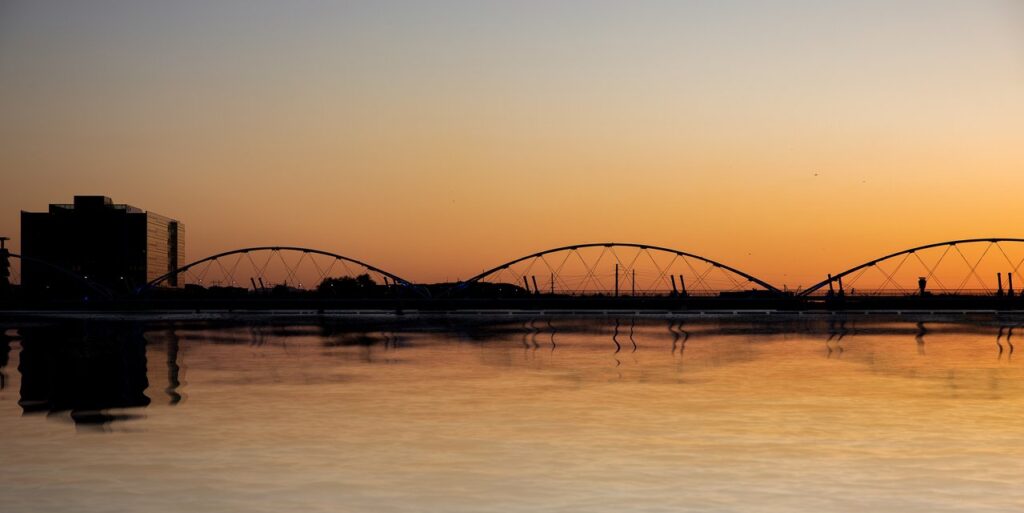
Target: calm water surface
x=523, y=415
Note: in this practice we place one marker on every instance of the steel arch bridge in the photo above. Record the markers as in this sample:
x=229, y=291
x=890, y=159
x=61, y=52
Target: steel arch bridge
x=268, y=267
x=963, y=267
x=615, y=268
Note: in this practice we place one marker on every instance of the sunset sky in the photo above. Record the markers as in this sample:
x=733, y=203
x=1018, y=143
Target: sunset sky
x=434, y=139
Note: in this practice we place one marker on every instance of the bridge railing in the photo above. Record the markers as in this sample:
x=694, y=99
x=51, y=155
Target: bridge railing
x=858, y=292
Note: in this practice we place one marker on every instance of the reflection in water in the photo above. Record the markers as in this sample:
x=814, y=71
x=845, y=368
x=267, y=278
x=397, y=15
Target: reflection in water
x=615, y=340
x=173, y=368
x=5, y=352
x=551, y=328
x=392, y=417
x=84, y=370
x=679, y=336
x=527, y=334
x=530, y=336
x=836, y=332
x=919, y=337
x=368, y=343
x=1009, y=342
x=999, y=337
x=632, y=329
x=1010, y=336
x=534, y=332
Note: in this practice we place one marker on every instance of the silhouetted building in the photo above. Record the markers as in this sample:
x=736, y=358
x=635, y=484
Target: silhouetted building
x=119, y=246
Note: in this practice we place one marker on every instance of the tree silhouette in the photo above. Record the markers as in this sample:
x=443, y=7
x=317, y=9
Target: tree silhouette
x=361, y=285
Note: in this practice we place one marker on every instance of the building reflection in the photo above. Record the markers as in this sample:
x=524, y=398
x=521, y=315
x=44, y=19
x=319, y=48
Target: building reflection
x=5, y=354
x=173, y=369
x=85, y=370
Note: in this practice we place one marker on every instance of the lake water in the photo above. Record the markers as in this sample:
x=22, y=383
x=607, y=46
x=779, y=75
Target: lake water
x=563, y=414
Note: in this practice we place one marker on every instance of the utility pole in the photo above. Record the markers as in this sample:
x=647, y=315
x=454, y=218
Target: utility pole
x=5, y=266
x=616, y=280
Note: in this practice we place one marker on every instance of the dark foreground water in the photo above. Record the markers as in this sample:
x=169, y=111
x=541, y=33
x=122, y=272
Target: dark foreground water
x=521, y=415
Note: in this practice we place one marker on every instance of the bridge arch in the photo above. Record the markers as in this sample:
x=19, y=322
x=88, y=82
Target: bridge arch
x=305, y=268
x=962, y=266
x=84, y=282
x=618, y=268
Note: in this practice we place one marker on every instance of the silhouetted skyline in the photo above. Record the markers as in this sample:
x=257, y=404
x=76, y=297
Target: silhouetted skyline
x=466, y=133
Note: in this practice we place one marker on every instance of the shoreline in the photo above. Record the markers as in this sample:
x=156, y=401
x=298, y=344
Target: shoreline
x=952, y=315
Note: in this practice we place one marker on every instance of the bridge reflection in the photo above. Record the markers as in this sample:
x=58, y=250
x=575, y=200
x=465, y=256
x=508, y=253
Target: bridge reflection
x=95, y=374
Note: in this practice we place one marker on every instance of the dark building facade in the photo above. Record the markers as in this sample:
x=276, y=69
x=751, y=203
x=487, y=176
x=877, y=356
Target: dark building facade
x=119, y=246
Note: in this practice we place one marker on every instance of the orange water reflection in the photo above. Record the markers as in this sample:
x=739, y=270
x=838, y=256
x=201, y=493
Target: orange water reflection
x=527, y=416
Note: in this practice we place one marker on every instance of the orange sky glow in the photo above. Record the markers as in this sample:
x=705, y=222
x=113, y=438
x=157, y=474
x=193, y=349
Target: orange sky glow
x=438, y=140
